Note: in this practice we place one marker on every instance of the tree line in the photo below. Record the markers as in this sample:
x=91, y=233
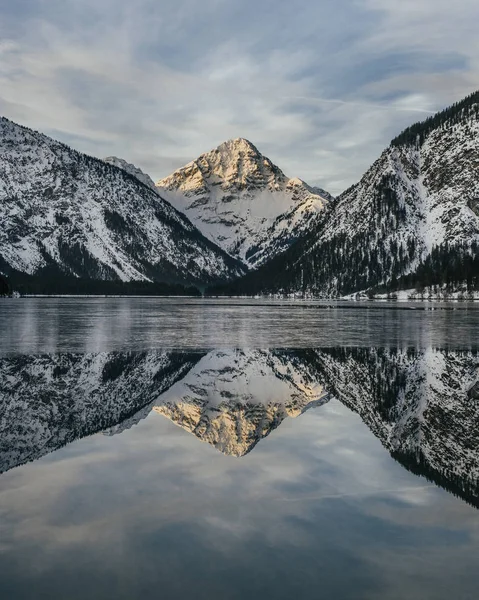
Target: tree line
x=457, y=113
x=55, y=285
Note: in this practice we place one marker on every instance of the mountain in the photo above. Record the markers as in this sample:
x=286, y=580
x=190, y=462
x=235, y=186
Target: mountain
x=132, y=170
x=64, y=213
x=232, y=399
x=243, y=202
x=412, y=220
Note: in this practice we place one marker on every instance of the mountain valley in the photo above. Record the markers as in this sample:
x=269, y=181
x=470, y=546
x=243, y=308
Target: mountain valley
x=410, y=222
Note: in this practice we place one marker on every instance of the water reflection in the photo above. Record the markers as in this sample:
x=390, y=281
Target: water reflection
x=421, y=404
x=46, y=325
x=51, y=400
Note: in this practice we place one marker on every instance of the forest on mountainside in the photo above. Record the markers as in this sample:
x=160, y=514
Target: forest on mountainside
x=456, y=113
x=54, y=285
x=4, y=287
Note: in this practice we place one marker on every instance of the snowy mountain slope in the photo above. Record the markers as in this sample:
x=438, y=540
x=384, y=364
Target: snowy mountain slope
x=414, y=211
x=422, y=405
x=234, y=398
x=417, y=197
x=132, y=170
x=64, y=212
x=243, y=202
x=51, y=400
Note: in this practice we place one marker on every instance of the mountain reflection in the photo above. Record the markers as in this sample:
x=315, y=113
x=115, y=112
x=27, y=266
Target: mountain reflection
x=233, y=399
x=51, y=400
x=422, y=405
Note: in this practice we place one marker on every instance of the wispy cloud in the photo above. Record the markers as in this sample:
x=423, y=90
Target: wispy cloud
x=390, y=107
x=320, y=89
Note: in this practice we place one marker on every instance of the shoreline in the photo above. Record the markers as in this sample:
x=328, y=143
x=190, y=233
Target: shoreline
x=345, y=301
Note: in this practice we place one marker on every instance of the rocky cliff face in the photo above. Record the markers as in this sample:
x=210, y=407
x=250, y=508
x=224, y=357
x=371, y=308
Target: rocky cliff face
x=65, y=213
x=243, y=202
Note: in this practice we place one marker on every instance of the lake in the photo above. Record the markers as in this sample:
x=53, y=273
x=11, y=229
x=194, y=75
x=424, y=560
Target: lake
x=174, y=448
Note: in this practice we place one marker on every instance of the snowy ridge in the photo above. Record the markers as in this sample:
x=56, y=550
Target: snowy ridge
x=243, y=202
x=66, y=212
x=433, y=183
x=132, y=170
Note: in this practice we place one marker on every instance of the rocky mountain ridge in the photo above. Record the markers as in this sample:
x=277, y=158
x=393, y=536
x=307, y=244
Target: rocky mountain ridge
x=243, y=202
x=132, y=170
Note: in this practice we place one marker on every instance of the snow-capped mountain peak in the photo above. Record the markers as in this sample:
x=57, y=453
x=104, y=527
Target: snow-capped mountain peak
x=240, y=164
x=234, y=164
x=242, y=201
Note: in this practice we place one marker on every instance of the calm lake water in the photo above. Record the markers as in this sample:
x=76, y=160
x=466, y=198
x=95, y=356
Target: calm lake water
x=180, y=448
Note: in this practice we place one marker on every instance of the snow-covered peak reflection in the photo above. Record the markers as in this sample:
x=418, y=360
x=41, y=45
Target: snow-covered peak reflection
x=421, y=404
x=234, y=398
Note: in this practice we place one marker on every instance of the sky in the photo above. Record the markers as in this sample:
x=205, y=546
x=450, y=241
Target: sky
x=319, y=86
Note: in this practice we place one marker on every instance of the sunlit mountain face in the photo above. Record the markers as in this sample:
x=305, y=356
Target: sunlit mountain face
x=421, y=404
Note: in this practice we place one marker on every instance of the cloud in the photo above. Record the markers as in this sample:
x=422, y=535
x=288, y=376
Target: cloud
x=321, y=88
x=154, y=508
